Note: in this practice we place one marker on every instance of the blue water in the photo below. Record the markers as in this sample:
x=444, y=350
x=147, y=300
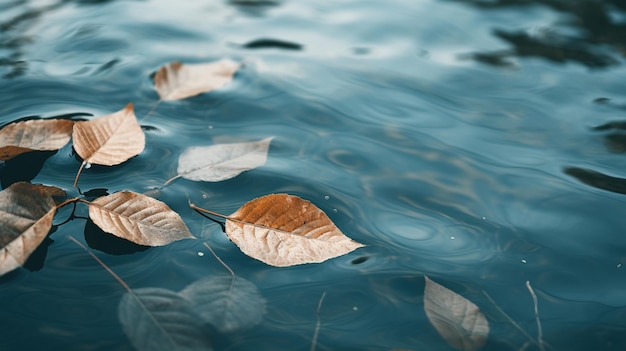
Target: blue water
x=476, y=142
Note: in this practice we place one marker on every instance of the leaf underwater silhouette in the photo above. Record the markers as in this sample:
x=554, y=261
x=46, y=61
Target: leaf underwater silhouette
x=458, y=320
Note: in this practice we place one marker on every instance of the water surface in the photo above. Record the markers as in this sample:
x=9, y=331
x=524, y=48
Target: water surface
x=480, y=143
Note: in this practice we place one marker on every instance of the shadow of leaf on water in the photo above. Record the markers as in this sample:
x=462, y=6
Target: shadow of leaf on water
x=597, y=179
x=596, y=21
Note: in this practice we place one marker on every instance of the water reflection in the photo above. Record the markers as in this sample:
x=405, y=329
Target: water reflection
x=590, y=26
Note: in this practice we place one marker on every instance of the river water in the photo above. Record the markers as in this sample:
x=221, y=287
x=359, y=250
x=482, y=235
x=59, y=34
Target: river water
x=479, y=143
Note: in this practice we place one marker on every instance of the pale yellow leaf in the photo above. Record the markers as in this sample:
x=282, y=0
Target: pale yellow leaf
x=218, y=162
x=109, y=140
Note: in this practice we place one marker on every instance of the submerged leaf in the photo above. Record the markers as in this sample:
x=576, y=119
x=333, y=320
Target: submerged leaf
x=459, y=321
x=176, y=81
x=138, y=218
x=26, y=213
x=109, y=140
x=228, y=303
x=157, y=319
x=34, y=135
x=222, y=161
x=285, y=230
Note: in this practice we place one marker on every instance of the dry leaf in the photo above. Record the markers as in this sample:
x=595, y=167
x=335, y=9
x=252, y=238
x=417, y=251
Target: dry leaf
x=228, y=303
x=176, y=81
x=34, y=135
x=138, y=218
x=156, y=319
x=285, y=230
x=222, y=161
x=109, y=140
x=459, y=321
x=26, y=213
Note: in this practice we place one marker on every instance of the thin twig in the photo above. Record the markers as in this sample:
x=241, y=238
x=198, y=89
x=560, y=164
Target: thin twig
x=151, y=110
x=511, y=319
x=524, y=347
x=117, y=277
x=232, y=273
x=219, y=259
x=318, y=323
x=536, y=306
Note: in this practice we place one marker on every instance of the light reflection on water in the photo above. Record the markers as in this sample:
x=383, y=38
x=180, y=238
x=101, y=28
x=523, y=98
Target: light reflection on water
x=447, y=145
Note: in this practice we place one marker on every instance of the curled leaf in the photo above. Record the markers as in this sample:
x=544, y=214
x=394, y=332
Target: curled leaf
x=34, y=135
x=222, y=161
x=458, y=320
x=109, y=140
x=285, y=230
x=228, y=303
x=26, y=213
x=157, y=319
x=176, y=81
x=138, y=218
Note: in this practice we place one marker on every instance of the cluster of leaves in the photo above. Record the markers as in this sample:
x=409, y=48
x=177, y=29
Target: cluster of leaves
x=278, y=229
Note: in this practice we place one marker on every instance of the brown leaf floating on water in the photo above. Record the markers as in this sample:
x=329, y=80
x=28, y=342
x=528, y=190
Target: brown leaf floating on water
x=285, y=230
x=34, y=135
x=26, y=213
x=108, y=140
x=138, y=218
x=176, y=80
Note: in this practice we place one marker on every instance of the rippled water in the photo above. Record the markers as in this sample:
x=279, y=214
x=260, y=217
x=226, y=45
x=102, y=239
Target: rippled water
x=480, y=143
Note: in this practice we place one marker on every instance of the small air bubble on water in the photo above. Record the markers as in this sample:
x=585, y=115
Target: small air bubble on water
x=326, y=197
x=484, y=218
x=452, y=238
x=210, y=127
x=87, y=165
x=524, y=261
x=200, y=253
x=204, y=196
x=335, y=210
x=619, y=265
x=354, y=308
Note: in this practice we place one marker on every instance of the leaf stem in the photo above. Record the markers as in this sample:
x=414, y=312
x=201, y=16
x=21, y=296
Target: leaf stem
x=117, y=277
x=171, y=180
x=68, y=201
x=200, y=209
x=219, y=259
x=318, y=323
x=82, y=165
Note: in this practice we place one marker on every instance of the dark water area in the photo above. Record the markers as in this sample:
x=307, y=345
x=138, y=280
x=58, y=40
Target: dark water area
x=479, y=143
